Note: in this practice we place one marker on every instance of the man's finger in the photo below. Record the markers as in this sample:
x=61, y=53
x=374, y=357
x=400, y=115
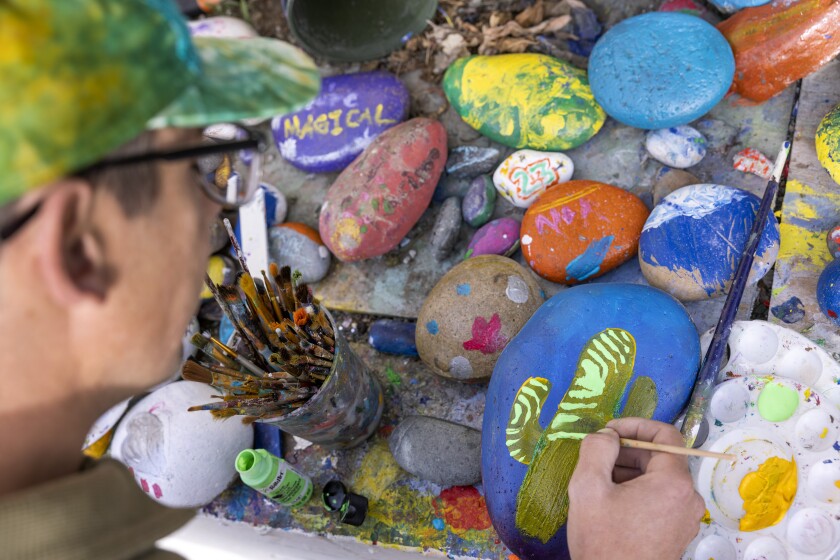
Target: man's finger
x=625, y=474
x=596, y=461
x=643, y=429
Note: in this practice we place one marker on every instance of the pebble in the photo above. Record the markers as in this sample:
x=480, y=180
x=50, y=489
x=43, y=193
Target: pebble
x=581, y=230
x=677, y=146
x=524, y=100
x=466, y=162
x=719, y=135
x=750, y=160
x=668, y=180
x=791, y=311
x=221, y=27
x=374, y=203
x=436, y=450
x=587, y=29
x=833, y=241
x=471, y=313
x=693, y=239
x=828, y=291
x=551, y=346
x=393, y=337
x=447, y=227
x=683, y=6
x=450, y=186
x=499, y=237
x=660, y=69
x=479, y=202
x=828, y=143
x=731, y=6
x=337, y=126
x=525, y=175
x=300, y=247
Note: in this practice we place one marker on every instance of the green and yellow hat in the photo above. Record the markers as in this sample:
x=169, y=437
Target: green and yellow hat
x=78, y=78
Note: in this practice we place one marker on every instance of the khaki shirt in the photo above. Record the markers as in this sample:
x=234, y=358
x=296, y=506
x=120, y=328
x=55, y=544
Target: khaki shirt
x=95, y=514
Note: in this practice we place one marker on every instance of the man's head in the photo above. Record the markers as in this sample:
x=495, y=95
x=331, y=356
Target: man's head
x=102, y=254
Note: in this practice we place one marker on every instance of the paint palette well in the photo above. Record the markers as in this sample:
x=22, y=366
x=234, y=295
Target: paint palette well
x=769, y=422
x=762, y=348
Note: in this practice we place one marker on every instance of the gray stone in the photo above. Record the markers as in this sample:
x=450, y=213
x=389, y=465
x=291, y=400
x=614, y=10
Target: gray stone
x=466, y=162
x=447, y=227
x=437, y=450
x=670, y=180
x=719, y=135
x=288, y=245
x=450, y=186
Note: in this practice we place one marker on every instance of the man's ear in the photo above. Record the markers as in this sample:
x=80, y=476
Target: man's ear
x=71, y=254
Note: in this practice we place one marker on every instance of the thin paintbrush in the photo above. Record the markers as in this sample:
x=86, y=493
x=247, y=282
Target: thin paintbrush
x=200, y=338
x=675, y=450
x=714, y=355
x=235, y=244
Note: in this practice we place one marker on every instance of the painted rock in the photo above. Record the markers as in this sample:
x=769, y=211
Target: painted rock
x=833, y=241
x=479, y=202
x=348, y=114
x=447, y=227
x=677, y=146
x=684, y=6
x=221, y=27
x=436, y=450
x=168, y=450
x=526, y=174
x=472, y=313
x=222, y=270
x=378, y=199
x=300, y=247
x=779, y=43
x=828, y=291
x=393, y=337
x=750, y=160
x=499, y=237
x=524, y=100
x=660, y=69
x=466, y=162
x=580, y=230
x=668, y=180
x=588, y=354
x=692, y=241
x=730, y=6
x=828, y=143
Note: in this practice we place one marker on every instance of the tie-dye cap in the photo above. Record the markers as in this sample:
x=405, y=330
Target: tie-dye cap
x=78, y=78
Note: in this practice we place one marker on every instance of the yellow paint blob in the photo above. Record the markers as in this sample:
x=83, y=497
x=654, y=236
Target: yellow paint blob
x=707, y=518
x=767, y=493
x=824, y=433
x=216, y=270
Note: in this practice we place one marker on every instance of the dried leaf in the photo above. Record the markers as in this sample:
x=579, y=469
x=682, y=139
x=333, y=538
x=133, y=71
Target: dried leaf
x=499, y=18
x=452, y=47
x=515, y=45
x=551, y=25
x=531, y=15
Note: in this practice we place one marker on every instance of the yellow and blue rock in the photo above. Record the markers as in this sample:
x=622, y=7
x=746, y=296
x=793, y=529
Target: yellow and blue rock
x=524, y=100
x=828, y=143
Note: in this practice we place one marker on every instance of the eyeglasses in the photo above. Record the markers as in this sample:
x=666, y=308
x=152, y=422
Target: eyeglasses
x=228, y=171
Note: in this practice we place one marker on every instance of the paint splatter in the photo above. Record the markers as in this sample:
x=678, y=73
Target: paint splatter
x=487, y=336
x=589, y=263
x=463, y=289
x=438, y=523
x=752, y=161
x=791, y=311
x=156, y=489
x=432, y=327
x=463, y=508
x=393, y=377
x=144, y=484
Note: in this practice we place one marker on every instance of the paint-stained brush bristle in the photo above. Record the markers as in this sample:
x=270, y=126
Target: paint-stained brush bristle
x=193, y=371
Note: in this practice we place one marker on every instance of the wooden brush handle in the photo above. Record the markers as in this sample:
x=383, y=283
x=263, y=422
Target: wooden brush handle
x=675, y=450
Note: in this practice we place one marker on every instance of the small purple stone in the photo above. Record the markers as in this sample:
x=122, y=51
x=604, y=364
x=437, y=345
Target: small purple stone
x=479, y=201
x=499, y=237
x=332, y=130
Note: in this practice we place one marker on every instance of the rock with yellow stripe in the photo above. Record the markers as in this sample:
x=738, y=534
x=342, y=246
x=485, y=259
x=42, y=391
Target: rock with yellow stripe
x=524, y=100
x=589, y=354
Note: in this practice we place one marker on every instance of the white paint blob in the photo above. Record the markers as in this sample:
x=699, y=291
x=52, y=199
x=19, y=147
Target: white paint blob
x=517, y=290
x=715, y=547
x=757, y=343
x=801, y=364
x=823, y=479
x=815, y=430
x=765, y=548
x=810, y=531
x=527, y=239
x=730, y=402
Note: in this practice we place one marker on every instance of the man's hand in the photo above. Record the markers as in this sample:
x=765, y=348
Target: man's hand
x=632, y=503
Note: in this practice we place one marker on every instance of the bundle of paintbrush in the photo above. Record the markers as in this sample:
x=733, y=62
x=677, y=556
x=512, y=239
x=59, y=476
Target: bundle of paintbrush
x=284, y=351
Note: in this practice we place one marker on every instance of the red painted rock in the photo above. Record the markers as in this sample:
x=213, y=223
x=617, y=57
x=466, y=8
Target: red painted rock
x=580, y=230
x=375, y=201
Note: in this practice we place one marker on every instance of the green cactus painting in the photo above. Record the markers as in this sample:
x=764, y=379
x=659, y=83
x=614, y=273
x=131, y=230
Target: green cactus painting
x=603, y=372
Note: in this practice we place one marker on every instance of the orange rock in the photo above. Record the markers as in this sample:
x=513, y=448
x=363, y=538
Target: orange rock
x=579, y=230
x=781, y=42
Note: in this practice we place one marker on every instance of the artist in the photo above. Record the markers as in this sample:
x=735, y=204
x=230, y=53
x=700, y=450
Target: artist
x=103, y=247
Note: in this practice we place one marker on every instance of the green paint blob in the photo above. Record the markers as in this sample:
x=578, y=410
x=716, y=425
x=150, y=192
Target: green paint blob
x=393, y=377
x=777, y=403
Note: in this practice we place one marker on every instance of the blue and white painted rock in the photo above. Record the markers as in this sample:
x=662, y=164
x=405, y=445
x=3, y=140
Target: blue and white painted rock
x=338, y=125
x=221, y=27
x=300, y=247
x=588, y=354
x=479, y=202
x=692, y=241
x=472, y=313
x=730, y=6
x=677, y=146
x=393, y=337
x=466, y=162
x=828, y=291
x=660, y=69
x=499, y=237
x=526, y=174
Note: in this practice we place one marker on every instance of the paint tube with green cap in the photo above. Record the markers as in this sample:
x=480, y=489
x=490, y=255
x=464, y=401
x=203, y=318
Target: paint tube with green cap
x=274, y=477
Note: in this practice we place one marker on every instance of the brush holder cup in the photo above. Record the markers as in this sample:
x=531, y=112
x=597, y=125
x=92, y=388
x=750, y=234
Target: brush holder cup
x=347, y=409
x=356, y=30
